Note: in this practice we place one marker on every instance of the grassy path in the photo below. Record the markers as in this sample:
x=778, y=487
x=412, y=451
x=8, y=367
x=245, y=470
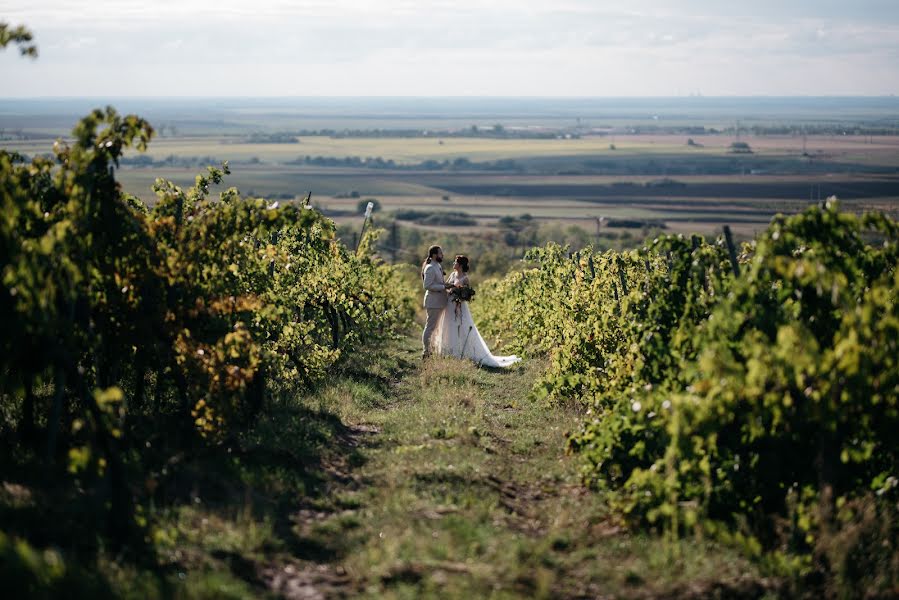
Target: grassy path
x=402, y=479
x=460, y=488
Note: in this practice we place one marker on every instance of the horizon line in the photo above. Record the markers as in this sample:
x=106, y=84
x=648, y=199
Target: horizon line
x=466, y=97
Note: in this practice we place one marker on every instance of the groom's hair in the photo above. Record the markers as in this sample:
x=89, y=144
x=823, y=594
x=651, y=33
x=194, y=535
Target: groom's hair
x=432, y=252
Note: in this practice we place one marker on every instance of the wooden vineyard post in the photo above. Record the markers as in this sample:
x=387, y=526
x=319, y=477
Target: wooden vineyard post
x=356, y=242
x=732, y=251
x=648, y=267
x=395, y=242
x=622, y=278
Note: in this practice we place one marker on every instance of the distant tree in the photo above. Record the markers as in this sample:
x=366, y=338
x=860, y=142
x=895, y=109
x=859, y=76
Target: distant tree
x=272, y=138
x=447, y=219
x=740, y=148
x=492, y=263
x=516, y=231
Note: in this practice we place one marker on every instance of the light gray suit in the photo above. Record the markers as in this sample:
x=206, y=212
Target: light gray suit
x=435, y=302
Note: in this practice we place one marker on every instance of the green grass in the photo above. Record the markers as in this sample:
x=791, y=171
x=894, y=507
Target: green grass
x=466, y=491
x=396, y=479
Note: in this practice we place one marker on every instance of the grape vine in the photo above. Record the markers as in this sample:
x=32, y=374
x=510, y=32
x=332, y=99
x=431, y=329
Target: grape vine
x=762, y=402
x=195, y=309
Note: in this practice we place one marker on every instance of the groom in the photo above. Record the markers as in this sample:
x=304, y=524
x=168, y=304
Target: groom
x=435, y=295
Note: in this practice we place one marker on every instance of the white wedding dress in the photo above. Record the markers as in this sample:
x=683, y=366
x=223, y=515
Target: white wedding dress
x=457, y=335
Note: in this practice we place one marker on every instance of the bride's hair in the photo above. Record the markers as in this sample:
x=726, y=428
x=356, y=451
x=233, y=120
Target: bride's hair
x=432, y=252
x=463, y=262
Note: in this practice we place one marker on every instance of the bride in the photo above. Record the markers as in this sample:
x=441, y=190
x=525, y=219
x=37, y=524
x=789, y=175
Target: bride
x=456, y=333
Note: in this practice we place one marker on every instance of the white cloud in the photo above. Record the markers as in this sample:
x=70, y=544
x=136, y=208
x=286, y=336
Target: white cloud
x=75, y=43
x=433, y=47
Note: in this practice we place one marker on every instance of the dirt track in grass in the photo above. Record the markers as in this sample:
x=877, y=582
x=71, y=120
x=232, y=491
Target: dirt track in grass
x=461, y=488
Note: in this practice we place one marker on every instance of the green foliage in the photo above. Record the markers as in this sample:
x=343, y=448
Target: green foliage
x=441, y=219
x=19, y=36
x=763, y=401
x=30, y=573
x=213, y=304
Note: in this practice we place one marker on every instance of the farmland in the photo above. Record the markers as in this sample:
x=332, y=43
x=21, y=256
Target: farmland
x=679, y=170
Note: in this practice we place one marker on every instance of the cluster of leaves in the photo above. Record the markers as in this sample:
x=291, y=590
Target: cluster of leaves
x=606, y=320
x=20, y=36
x=197, y=309
x=759, y=390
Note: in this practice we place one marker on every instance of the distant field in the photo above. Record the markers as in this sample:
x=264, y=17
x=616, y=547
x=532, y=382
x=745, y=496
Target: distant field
x=268, y=180
x=691, y=188
x=689, y=203
x=883, y=150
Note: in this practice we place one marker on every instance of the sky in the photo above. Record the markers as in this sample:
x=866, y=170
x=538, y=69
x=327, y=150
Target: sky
x=441, y=48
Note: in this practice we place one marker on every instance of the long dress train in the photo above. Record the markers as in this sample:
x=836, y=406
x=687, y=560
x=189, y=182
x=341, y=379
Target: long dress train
x=457, y=335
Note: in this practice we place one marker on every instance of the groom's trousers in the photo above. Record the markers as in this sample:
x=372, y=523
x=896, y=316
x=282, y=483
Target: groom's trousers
x=434, y=315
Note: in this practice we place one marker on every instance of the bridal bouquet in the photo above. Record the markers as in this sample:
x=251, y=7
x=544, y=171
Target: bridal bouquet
x=461, y=294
